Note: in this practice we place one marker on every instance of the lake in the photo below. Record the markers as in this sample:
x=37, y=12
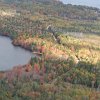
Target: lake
x=11, y=55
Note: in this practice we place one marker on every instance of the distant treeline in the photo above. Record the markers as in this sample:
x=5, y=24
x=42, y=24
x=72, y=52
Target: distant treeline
x=58, y=9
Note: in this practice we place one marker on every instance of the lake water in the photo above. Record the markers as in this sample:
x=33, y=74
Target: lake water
x=11, y=56
x=93, y=3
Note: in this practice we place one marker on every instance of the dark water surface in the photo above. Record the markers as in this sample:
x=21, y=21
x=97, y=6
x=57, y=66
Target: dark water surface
x=11, y=56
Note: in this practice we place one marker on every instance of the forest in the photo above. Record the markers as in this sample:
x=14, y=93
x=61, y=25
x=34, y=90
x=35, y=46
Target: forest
x=66, y=39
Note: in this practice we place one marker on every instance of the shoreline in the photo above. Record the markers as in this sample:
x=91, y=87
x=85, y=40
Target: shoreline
x=29, y=49
x=35, y=53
